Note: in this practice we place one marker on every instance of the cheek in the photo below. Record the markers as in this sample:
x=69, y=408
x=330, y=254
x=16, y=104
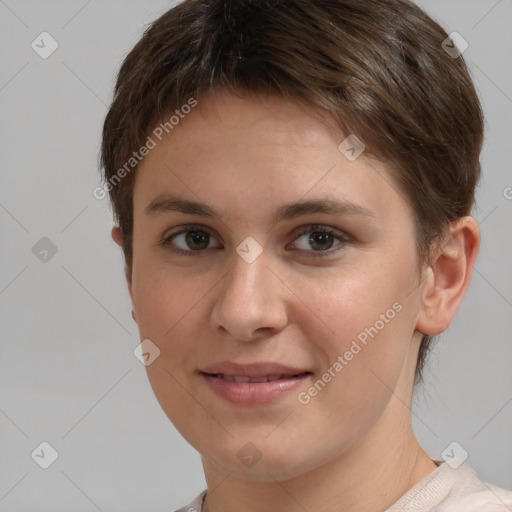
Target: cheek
x=170, y=313
x=342, y=303
x=360, y=332
x=168, y=305
x=366, y=319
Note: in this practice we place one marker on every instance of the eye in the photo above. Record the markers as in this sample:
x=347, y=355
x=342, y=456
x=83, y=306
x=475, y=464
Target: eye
x=319, y=239
x=316, y=240
x=189, y=240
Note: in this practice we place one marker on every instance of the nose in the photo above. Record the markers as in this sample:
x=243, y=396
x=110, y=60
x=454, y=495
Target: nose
x=250, y=301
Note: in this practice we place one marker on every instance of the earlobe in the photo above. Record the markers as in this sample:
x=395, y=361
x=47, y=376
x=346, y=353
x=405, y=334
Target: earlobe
x=117, y=235
x=449, y=276
x=128, y=274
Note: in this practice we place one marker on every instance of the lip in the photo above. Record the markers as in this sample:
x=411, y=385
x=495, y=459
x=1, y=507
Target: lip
x=252, y=393
x=260, y=369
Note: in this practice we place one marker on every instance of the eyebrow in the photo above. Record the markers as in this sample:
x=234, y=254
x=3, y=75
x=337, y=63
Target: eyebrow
x=330, y=206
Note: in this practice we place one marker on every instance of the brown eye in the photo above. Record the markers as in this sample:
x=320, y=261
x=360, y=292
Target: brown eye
x=189, y=241
x=321, y=241
x=197, y=240
x=318, y=239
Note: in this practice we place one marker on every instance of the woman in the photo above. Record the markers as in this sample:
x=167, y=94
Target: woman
x=292, y=183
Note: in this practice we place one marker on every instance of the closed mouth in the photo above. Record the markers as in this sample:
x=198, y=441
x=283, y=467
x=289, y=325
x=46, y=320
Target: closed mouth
x=265, y=378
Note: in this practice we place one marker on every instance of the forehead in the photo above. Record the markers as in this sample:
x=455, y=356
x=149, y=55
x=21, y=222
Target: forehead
x=286, y=118
x=226, y=122
x=266, y=149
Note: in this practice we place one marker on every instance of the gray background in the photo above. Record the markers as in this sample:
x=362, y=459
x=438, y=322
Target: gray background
x=68, y=374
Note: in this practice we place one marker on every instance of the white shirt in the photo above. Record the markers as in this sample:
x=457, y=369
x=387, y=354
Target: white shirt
x=444, y=490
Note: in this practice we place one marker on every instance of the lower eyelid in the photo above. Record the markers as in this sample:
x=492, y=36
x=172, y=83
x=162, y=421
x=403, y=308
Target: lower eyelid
x=328, y=252
x=168, y=240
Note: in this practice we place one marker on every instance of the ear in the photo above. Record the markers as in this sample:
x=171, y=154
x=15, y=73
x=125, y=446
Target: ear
x=117, y=236
x=448, y=277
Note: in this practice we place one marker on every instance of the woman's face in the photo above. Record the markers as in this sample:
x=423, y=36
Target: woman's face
x=279, y=250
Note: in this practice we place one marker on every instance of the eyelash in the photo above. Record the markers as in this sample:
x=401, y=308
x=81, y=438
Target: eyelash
x=313, y=228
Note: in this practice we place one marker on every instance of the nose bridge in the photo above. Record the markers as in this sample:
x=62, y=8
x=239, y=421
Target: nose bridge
x=247, y=283
x=249, y=299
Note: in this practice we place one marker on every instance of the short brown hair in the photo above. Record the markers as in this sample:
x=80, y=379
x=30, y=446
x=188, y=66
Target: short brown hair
x=376, y=67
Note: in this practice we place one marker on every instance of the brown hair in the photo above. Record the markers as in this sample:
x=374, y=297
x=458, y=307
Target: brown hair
x=376, y=67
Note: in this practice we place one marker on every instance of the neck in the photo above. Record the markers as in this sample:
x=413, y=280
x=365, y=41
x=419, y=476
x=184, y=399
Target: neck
x=372, y=475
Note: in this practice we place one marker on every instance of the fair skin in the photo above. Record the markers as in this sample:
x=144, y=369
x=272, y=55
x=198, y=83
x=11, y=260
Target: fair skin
x=351, y=447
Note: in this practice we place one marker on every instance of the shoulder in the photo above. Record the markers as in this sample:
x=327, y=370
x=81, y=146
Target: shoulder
x=195, y=505
x=455, y=488
x=474, y=494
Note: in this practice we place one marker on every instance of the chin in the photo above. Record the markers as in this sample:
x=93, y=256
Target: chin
x=268, y=463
